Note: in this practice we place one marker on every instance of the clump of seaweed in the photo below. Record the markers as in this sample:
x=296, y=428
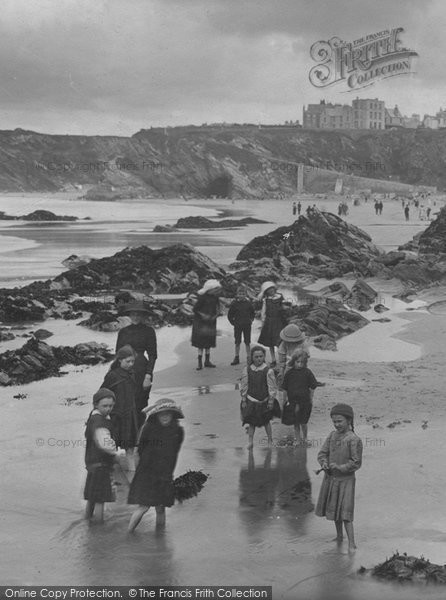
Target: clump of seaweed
x=401, y=567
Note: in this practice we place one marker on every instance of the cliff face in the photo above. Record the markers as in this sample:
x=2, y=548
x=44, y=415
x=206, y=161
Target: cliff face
x=239, y=161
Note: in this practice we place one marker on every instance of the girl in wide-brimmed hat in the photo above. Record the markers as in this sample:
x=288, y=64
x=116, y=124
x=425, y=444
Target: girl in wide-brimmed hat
x=142, y=338
x=340, y=457
x=159, y=443
x=204, y=326
x=272, y=317
x=292, y=338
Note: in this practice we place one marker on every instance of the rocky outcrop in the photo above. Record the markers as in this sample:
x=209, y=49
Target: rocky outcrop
x=204, y=223
x=321, y=244
x=21, y=307
x=175, y=269
x=73, y=261
x=165, y=229
x=37, y=360
x=37, y=215
x=361, y=296
x=327, y=321
x=433, y=239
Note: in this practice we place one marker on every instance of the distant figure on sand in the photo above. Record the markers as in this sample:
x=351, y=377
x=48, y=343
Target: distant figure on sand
x=406, y=211
x=120, y=379
x=339, y=457
x=158, y=448
x=299, y=384
x=299, y=208
x=204, y=326
x=258, y=389
x=100, y=453
x=273, y=320
x=142, y=338
x=241, y=315
x=294, y=208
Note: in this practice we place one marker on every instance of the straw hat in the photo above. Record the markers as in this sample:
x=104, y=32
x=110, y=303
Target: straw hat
x=161, y=405
x=292, y=333
x=266, y=285
x=210, y=284
x=101, y=394
x=136, y=306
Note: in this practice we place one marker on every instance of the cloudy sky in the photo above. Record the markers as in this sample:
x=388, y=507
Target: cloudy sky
x=116, y=66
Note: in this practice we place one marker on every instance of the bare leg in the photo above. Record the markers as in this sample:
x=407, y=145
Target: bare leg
x=297, y=438
x=89, y=509
x=248, y=351
x=339, y=535
x=100, y=511
x=251, y=430
x=350, y=535
x=130, y=456
x=237, y=349
x=136, y=517
x=269, y=433
x=160, y=515
x=273, y=354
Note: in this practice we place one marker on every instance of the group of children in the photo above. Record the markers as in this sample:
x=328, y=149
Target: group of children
x=113, y=422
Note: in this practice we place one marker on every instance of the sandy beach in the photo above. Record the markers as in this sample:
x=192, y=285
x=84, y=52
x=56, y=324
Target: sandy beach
x=253, y=524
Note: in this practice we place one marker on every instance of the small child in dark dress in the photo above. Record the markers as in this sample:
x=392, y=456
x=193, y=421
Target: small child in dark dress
x=273, y=320
x=241, y=315
x=159, y=443
x=121, y=380
x=299, y=384
x=258, y=389
x=100, y=453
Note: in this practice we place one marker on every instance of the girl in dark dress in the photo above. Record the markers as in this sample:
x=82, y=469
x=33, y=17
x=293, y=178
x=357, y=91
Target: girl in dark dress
x=158, y=447
x=258, y=389
x=121, y=381
x=299, y=384
x=100, y=452
x=142, y=338
x=272, y=317
x=204, y=326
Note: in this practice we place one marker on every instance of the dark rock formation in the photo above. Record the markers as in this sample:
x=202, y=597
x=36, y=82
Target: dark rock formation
x=36, y=360
x=404, y=568
x=42, y=334
x=323, y=245
x=327, y=322
x=16, y=308
x=74, y=261
x=165, y=229
x=6, y=335
x=433, y=239
x=361, y=296
x=37, y=215
x=174, y=269
x=204, y=223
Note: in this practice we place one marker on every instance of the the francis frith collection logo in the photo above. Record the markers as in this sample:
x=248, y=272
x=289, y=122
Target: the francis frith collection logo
x=362, y=62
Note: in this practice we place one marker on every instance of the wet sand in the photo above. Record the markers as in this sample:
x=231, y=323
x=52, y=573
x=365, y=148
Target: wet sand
x=253, y=524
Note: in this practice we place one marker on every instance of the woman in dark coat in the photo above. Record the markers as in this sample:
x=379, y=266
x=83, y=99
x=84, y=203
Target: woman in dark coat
x=142, y=338
x=158, y=447
x=204, y=326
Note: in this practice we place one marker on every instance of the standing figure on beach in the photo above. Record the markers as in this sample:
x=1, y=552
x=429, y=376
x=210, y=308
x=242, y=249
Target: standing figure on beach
x=100, y=453
x=339, y=457
x=273, y=320
x=406, y=211
x=376, y=205
x=241, y=315
x=142, y=338
x=299, y=384
x=299, y=208
x=158, y=446
x=292, y=338
x=204, y=326
x=294, y=208
x=258, y=389
x=120, y=379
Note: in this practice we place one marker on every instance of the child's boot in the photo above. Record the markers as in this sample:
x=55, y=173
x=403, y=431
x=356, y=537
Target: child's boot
x=236, y=361
x=200, y=363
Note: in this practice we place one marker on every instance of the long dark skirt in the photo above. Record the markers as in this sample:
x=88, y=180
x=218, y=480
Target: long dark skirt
x=258, y=414
x=204, y=333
